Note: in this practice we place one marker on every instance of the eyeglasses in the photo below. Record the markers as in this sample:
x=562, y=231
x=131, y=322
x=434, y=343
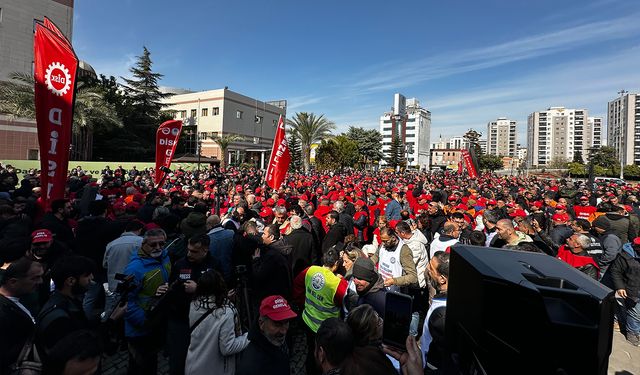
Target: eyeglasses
x=156, y=244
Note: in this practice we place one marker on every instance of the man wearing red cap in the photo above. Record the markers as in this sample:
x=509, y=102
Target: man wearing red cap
x=584, y=210
x=267, y=352
x=561, y=230
x=361, y=221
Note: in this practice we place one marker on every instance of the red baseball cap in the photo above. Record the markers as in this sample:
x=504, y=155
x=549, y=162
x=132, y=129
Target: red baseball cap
x=560, y=207
x=266, y=212
x=462, y=207
x=360, y=203
x=560, y=217
x=492, y=202
x=453, y=198
x=276, y=308
x=584, y=198
x=41, y=235
x=636, y=241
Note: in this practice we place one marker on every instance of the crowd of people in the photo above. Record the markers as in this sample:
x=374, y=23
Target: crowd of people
x=220, y=273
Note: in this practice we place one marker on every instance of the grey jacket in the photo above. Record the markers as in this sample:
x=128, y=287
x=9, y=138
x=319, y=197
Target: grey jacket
x=118, y=254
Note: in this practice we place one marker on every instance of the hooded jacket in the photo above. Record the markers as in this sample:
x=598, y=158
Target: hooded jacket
x=522, y=243
x=418, y=245
x=262, y=357
x=625, y=272
x=611, y=246
x=272, y=271
x=374, y=296
x=148, y=274
x=620, y=225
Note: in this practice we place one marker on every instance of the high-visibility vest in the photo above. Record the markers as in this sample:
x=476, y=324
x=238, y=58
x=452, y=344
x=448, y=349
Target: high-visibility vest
x=320, y=288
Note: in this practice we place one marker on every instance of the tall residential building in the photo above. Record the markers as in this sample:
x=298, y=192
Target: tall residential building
x=623, y=127
x=18, y=137
x=501, y=137
x=558, y=132
x=412, y=123
x=211, y=114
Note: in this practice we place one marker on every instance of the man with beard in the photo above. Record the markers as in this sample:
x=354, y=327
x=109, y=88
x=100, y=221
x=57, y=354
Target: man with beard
x=150, y=268
x=267, y=352
x=369, y=286
x=57, y=221
x=432, y=340
x=63, y=313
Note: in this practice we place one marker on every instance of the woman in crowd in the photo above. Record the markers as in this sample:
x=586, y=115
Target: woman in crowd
x=215, y=329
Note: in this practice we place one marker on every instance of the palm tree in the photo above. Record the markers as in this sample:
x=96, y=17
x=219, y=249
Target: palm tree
x=309, y=129
x=224, y=141
x=17, y=100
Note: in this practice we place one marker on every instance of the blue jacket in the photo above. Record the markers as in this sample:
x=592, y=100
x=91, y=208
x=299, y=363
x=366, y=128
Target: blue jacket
x=392, y=211
x=149, y=273
x=221, y=249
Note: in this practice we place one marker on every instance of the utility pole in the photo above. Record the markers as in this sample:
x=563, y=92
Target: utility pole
x=622, y=131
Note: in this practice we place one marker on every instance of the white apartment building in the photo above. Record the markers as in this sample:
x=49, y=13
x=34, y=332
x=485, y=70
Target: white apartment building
x=501, y=137
x=623, y=127
x=555, y=134
x=211, y=114
x=521, y=153
x=412, y=123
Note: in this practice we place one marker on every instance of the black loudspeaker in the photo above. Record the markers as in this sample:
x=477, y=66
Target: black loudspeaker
x=513, y=312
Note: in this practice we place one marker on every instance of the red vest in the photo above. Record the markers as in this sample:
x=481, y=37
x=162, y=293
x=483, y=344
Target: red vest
x=575, y=260
x=583, y=212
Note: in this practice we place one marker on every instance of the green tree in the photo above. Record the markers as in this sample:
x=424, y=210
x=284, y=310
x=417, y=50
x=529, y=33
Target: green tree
x=224, y=141
x=558, y=162
x=395, y=155
x=143, y=100
x=490, y=162
x=369, y=142
x=309, y=129
x=605, y=157
x=296, y=154
x=91, y=111
x=337, y=153
x=325, y=156
x=577, y=157
x=578, y=169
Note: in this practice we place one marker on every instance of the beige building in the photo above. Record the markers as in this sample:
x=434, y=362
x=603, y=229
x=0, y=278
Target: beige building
x=214, y=113
x=445, y=157
x=18, y=137
x=501, y=137
x=558, y=132
x=623, y=114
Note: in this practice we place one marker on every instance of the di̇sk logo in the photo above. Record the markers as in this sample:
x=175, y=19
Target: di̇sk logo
x=317, y=281
x=57, y=78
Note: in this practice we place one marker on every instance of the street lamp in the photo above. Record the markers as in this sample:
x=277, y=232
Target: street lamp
x=621, y=130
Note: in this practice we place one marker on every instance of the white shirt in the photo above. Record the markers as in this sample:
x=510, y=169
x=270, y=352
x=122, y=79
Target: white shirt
x=21, y=306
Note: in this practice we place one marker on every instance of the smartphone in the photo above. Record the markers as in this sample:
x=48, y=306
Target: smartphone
x=397, y=319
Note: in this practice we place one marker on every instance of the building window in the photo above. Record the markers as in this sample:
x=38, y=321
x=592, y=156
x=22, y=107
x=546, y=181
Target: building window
x=32, y=153
x=238, y=114
x=215, y=111
x=183, y=114
x=194, y=112
x=205, y=112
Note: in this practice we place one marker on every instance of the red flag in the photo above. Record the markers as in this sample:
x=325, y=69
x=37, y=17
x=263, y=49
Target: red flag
x=166, y=141
x=55, y=78
x=52, y=26
x=280, y=158
x=471, y=169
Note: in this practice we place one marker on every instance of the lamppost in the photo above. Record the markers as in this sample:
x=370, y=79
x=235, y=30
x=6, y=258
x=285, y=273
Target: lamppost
x=591, y=150
x=621, y=131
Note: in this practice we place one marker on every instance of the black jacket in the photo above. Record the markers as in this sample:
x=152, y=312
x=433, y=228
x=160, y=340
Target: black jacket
x=334, y=235
x=60, y=228
x=347, y=221
x=560, y=233
x=59, y=317
x=262, y=357
x=16, y=327
x=271, y=272
x=375, y=296
x=185, y=270
x=625, y=273
x=303, y=249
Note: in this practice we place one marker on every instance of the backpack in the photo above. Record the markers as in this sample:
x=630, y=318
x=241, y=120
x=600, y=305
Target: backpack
x=28, y=362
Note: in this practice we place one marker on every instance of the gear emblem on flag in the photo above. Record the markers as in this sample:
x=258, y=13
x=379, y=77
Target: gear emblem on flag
x=57, y=78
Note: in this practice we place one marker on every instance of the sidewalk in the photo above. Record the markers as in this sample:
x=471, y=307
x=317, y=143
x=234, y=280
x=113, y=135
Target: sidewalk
x=625, y=358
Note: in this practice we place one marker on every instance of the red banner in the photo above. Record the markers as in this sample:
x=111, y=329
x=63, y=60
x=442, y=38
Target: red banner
x=460, y=167
x=52, y=26
x=280, y=158
x=166, y=141
x=471, y=169
x=55, y=78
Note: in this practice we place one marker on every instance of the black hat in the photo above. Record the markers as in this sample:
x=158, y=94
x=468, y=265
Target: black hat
x=364, y=269
x=602, y=223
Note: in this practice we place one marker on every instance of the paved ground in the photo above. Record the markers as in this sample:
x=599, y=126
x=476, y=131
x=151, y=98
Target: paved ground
x=624, y=359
